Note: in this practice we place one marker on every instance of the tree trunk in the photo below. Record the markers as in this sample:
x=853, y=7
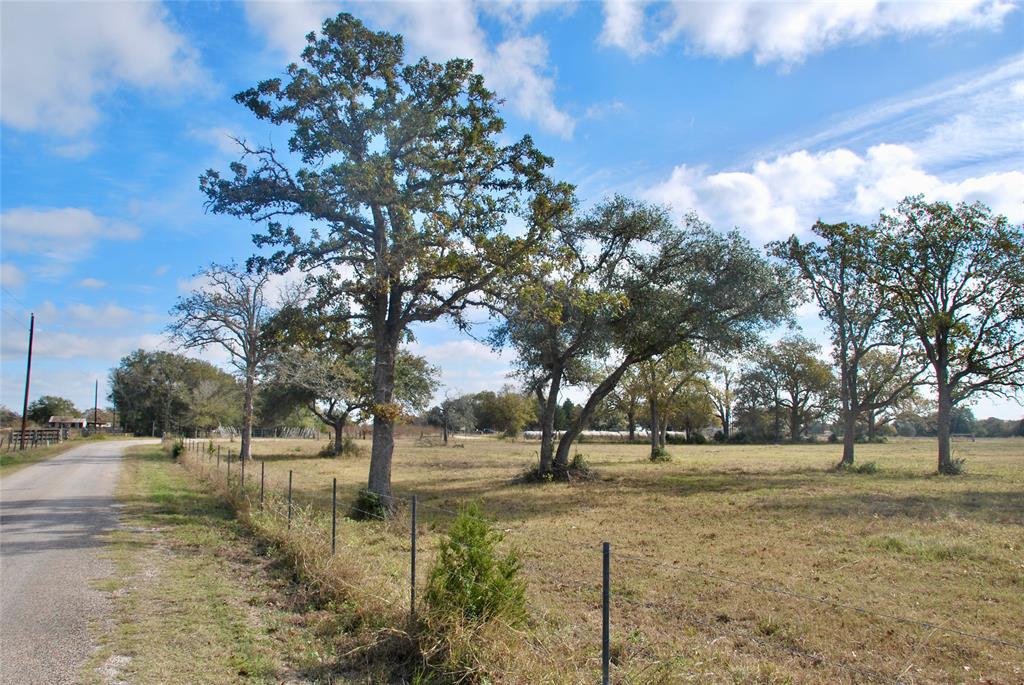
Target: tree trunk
x=663, y=434
x=386, y=350
x=631, y=422
x=444, y=430
x=945, y=417
x=339, y=434
x=547, y=422
x=794, y=423
x=726, y=420
x=872, y=427
x=655, y=428
x=250, y=383
x=849, y=438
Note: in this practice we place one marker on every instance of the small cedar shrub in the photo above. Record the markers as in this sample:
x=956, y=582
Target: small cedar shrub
x=471, y=581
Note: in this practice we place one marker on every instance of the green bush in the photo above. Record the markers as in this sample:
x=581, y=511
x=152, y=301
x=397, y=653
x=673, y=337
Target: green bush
x=177, y=448
x=956, y=467
x=660, y=454
x=369, y=506
x=867, y=467
x=471, y=581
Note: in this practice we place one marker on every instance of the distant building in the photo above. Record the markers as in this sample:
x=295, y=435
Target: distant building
x=67, y=422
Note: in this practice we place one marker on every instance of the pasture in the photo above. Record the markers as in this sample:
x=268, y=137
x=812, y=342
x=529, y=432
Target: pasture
x=729, y=564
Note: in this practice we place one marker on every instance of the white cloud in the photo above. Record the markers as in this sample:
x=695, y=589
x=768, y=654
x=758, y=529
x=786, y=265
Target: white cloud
x=778, y=197
x=457, y=351
x=60, y=58
x=92, y=283
x=516, y=67
x=784, y=32
x=106, y=316
x=71, y=345
x=624, y=26
x=63, y=235
x=11, y=276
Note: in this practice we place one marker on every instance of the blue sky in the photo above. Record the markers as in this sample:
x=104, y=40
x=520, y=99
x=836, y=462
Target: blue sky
x=759, y=115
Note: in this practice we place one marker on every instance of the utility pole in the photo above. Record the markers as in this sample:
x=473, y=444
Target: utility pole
x=96, y=408
x=28, y=377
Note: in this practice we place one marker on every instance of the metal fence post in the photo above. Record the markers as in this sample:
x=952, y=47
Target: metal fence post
x=412, y=561
x=263, y=471
x=334, y=514
x=289, y=498
x=606, y=615
x=227, y=478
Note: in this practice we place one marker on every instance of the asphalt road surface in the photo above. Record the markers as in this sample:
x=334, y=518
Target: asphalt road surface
x=52, y=517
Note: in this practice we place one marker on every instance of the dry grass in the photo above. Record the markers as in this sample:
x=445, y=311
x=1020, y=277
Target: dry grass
x=902, y=542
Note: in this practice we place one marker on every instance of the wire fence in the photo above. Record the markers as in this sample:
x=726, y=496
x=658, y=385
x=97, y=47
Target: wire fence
x=684, y=597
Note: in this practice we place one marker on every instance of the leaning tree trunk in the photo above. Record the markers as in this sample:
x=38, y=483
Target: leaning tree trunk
x=382, y=450
x=575, y=427
x=250, y=384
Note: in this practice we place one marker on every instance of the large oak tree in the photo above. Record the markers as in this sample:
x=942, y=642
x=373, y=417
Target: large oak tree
x=404, y=173
x=627, y=286
x=953, y=276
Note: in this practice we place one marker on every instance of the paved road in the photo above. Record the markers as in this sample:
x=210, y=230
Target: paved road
x=52, y=515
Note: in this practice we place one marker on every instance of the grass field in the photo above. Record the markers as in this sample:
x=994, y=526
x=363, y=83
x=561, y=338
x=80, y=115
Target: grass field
x=704, y=548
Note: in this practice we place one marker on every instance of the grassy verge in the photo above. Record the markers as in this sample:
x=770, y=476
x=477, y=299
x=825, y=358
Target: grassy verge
x=196, y=600
x=14, y=460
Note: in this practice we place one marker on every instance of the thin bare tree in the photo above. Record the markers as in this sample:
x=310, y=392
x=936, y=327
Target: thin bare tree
x=229, y=310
